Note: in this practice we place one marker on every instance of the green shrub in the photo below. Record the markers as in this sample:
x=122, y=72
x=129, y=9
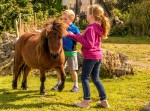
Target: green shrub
x=10, y=9
x=139, y=21
x=83, y=24
x=119, y=23
x=121, y=30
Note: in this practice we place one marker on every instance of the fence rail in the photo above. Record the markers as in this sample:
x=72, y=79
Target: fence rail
x=31, y=25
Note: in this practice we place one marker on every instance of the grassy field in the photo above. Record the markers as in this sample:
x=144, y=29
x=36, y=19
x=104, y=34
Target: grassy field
x=127, y=93
x=137, y=49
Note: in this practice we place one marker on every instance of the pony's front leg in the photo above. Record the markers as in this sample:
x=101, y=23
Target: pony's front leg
x=42, y=79
x=63, y=78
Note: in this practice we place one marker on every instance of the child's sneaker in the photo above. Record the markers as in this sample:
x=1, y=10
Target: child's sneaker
x=83, y=104
x=103, y=103
x=55, y=87
x=74, y=89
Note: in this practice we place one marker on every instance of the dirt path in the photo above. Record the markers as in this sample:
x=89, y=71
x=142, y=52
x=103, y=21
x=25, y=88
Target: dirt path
x=139, y=64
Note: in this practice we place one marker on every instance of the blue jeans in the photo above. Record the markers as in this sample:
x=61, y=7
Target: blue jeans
x=92, y=68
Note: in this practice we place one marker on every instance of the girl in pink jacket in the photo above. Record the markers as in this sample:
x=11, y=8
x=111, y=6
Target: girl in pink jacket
x=97, y=29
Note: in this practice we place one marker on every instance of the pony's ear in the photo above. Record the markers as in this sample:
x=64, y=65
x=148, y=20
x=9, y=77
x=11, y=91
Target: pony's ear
x=48, y=27
x=50, y=34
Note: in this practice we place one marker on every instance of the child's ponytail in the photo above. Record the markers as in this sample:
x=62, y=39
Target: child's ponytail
x=105, y=23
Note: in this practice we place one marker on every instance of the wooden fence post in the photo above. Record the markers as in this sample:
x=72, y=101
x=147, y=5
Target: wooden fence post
x=35, y=21
x=17, y=32
x=20, y=33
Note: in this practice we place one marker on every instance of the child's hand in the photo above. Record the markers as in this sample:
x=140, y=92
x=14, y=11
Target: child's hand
x=66, y=33
x=70, y=32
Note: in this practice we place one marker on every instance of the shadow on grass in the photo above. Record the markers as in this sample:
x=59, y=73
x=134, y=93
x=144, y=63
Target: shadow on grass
x=36, y=105
x=8, y=96
x=13, y=95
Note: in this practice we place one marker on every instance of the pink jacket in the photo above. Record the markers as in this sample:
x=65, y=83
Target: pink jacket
x=90, y=41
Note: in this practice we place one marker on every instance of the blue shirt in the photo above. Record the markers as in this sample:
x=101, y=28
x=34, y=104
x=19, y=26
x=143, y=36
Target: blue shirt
x=68, y=43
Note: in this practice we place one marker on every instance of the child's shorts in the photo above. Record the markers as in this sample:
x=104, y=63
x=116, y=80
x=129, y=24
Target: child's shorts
x=71, y=62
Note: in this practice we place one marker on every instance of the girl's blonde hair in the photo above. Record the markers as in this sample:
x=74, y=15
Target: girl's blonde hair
x=70, y=14
x=98, y=12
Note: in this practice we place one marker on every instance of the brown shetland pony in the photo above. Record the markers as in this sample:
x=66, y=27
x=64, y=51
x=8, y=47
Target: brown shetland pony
x=42, y=51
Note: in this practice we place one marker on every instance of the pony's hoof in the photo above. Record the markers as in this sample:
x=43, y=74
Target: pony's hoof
x=24, y=88
x=43, y=92
x=60, y=88
x=14, y=87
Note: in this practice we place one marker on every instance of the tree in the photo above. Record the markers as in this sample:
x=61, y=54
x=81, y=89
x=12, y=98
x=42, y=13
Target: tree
x=10, y=9
x=105, y=6
x=139, y=22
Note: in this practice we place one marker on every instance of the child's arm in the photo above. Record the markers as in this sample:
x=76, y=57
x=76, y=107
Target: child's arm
x=87, y=40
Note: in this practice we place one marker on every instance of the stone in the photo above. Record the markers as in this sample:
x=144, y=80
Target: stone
x=113, y=64
x=6, y=52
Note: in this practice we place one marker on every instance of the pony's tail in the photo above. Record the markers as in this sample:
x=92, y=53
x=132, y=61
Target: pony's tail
x=21, y=70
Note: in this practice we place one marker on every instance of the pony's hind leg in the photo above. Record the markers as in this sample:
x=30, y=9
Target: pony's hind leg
x=16, y=73
x=26, y=71
x=63, y=78
x=15, y=78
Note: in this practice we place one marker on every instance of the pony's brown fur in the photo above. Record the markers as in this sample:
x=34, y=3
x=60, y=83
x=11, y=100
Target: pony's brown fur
x=42, y=51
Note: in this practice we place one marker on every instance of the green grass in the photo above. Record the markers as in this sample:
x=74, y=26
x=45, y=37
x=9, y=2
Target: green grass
x=127, y=93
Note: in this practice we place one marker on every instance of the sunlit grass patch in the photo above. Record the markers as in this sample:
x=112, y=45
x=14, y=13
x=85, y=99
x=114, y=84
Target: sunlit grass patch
x=127, y=93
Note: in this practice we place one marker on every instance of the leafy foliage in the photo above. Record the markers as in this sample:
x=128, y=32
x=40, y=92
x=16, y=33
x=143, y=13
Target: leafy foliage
x=133, y=15
x=10, y=9
x=139, y=21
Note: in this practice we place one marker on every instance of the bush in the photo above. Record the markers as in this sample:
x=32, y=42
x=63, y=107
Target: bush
x=83, y=24
x=120, y=30
x=119, y=23
x=139, y=21
x=9, y=11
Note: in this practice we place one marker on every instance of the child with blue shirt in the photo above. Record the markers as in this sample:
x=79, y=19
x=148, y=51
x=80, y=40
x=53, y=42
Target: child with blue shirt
x=69, y=46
